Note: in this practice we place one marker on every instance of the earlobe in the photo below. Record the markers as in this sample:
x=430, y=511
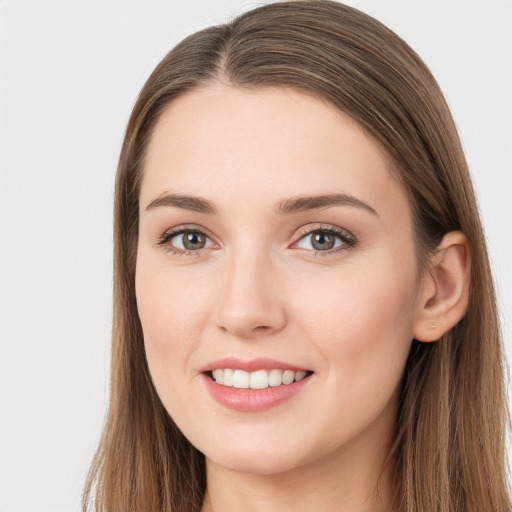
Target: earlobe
x=444, y=295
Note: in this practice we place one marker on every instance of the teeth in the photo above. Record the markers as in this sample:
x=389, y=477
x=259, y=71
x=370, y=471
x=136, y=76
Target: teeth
x=259, y=379
x=299, y=376
x=288, y=377
x=228, y=377
x=218, y=376
x=275, y=378
x=241, y=379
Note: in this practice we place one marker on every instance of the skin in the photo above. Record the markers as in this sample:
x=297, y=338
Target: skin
x=259, y=288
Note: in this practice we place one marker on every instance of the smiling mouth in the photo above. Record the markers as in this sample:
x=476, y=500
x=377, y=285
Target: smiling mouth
x=260, y=379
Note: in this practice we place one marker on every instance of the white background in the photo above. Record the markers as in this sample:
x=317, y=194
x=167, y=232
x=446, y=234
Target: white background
x=69, y=73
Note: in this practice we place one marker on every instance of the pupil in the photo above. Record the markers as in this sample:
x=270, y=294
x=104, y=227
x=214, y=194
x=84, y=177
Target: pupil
x=193, y=241
x=323, y=241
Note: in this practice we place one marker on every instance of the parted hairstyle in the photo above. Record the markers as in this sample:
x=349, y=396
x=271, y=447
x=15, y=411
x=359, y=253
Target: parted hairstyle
x=449, y=447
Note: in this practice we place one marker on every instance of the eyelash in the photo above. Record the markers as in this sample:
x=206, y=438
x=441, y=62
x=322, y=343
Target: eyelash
x=171, y=233
x=347, y=239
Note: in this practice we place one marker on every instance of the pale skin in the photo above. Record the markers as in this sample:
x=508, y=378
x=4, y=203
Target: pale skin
x=259, y=285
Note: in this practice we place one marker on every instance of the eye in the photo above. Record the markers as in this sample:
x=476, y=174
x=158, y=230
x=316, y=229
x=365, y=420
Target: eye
x=184, y=241
x=326, y=239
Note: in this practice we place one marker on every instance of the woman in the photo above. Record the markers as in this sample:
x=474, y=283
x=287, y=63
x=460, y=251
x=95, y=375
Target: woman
x=304, y=311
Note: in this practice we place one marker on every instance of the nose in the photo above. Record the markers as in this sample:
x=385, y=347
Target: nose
x=250, y=301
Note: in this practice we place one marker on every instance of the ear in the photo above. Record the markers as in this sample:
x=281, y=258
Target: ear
x=444, y=294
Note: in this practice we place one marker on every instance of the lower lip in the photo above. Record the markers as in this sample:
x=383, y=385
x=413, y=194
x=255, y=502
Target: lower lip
x=253, y=400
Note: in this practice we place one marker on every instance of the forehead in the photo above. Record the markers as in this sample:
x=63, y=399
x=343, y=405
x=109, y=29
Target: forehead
x=233, y=146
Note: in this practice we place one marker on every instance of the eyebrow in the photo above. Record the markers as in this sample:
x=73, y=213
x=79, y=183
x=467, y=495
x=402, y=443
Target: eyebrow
x=193, y=203
x=286, y=207
x=301, y=204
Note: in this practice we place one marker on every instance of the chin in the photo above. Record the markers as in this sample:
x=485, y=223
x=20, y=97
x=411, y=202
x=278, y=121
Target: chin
x=253, y=455
x=255, y=464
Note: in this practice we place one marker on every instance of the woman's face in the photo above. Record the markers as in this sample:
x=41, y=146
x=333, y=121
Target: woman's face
x=274, y=240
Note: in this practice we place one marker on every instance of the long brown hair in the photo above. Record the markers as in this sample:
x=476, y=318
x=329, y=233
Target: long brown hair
x=449, y=445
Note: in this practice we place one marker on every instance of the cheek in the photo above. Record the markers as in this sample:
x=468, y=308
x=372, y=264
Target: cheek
x=361, y=322
x=172, y=312
x=361, y=327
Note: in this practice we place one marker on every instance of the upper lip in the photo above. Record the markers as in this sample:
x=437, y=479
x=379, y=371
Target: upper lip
x=250, y=365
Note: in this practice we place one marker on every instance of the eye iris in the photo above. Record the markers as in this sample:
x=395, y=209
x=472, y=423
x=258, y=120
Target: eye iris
x=193, y=240
x=322, y=241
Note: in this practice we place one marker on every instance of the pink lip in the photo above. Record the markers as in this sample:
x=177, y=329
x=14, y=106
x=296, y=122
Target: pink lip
x=251, y=400
x=252, y=365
